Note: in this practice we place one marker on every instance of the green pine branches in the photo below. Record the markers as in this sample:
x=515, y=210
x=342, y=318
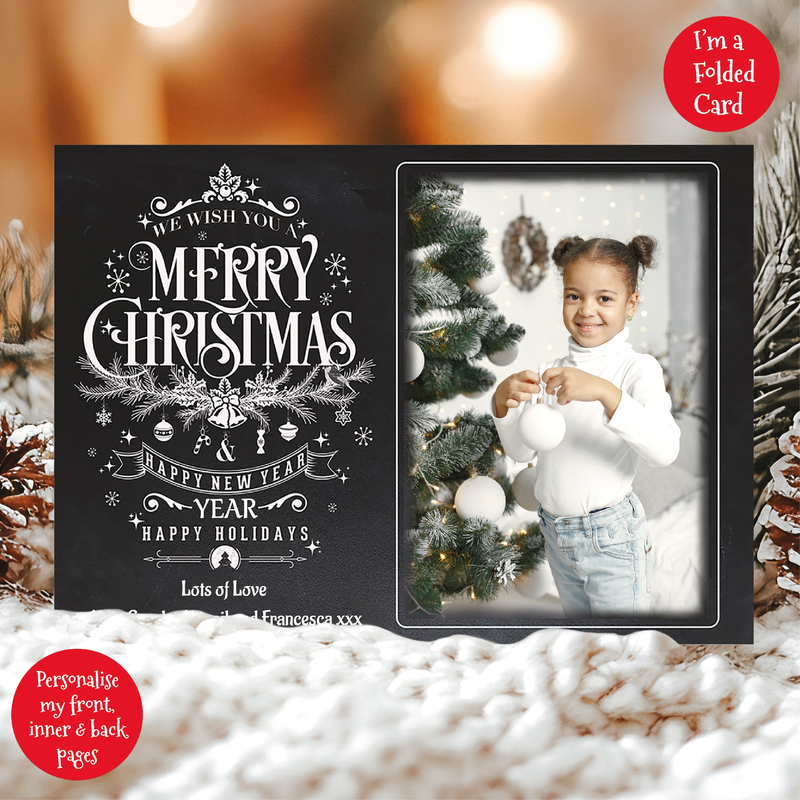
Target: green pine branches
x=454, y=327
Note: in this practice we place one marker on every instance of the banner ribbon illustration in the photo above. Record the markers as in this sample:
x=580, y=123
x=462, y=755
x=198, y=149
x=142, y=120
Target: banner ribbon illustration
x=147, y=460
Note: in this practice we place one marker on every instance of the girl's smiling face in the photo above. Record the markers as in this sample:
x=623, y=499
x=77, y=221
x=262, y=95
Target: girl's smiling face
x=596, y=301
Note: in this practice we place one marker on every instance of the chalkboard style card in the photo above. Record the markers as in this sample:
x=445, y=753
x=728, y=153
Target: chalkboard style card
x=226, y=381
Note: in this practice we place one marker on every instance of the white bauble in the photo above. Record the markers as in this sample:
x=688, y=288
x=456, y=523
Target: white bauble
x=502, y=358
x=522, y=489
x=415, y=360
x=480, y=497
x=485, y=284
x=541, y=427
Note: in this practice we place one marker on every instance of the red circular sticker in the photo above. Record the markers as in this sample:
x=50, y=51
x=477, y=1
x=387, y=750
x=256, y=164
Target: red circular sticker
x=721, y=74
x=77, y=714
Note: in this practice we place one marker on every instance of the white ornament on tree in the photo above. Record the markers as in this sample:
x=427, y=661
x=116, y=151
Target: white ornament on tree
x=541, y=427
x=415, y=360
x=480, y=497
x=522, y=489
x=502, y=358
x=485, y=284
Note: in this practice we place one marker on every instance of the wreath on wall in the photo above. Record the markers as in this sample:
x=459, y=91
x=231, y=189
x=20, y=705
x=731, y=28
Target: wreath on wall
x=525, y=253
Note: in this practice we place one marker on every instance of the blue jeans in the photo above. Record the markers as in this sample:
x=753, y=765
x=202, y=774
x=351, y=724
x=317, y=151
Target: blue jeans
x=600, y=561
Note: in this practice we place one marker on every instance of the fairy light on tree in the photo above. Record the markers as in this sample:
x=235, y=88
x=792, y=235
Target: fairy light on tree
x=160, y=13
x=454, y=327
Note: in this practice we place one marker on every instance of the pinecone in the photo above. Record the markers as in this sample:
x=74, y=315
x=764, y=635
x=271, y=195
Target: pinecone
x=777, y=365
x=26, y=480
x=778, y=524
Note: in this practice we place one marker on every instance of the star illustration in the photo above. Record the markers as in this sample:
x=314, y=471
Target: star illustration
x=302, y=223
x=110, y=465
x=109, y=263
x=322, y=438
x=120, y=256
x=129, y=437
x=346, y=280
x=343, y=478
x=313, y=547
x=144, y=220
x=108, y=327
x=251, y=185
x=136, y=520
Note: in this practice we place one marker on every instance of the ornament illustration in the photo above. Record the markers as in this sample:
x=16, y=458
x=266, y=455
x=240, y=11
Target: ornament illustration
x=202, y=439
x=225, y=401
x=288, y=431
x=103, y=416
x=163, y=431
x=224, y=406
x=260, y=441
x=225, y=450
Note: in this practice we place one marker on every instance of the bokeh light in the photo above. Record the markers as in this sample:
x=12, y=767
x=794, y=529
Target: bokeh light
x=524, y=38
x=160, y=13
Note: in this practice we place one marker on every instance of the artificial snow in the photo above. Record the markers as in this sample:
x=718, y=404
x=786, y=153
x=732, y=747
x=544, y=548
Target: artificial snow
x=236, y=708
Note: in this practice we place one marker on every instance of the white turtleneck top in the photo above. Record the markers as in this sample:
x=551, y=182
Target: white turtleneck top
x=594, y=465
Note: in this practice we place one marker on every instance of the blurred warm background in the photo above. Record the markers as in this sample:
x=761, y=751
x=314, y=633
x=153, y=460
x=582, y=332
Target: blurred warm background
x=362, y=71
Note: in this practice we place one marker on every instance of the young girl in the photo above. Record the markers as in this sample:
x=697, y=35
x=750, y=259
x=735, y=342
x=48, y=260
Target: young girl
x=616, y=411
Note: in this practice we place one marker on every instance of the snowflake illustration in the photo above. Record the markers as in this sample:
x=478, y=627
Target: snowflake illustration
x=343, y=416
x=333, y=508
x=112, y=498
x=335, y=264
x=117, y=280
x=363, y=436
x=202, y=235
x=91, y=452
x=325, y=298
x=142, y=257
x=103, y=417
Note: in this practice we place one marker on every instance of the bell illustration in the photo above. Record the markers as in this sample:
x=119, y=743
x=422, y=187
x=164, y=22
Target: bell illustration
x=225, y=413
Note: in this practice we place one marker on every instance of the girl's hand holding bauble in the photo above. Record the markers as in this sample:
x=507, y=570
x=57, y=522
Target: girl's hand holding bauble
x=515, y=390
x=480, y=497
x=541, y=427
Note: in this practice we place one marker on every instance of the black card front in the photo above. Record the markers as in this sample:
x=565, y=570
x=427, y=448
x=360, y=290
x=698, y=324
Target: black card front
x=226, y=380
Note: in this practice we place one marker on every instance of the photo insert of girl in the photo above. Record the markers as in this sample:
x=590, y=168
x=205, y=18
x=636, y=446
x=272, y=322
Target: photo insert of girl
x=616, y=410
x=599, y=412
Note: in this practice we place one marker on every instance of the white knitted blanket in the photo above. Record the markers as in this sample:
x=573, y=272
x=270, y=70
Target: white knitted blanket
x=235, y=708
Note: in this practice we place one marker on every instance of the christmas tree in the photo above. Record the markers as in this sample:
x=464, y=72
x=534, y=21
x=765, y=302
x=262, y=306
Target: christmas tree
x=451, y=324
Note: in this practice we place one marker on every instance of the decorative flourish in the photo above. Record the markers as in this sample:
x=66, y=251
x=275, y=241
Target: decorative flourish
x=335, y=264
x=225, y=186
x=223, y=404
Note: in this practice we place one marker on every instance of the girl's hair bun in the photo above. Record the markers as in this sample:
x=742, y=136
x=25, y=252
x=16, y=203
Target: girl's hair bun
x=643, y=248
x=561, y=250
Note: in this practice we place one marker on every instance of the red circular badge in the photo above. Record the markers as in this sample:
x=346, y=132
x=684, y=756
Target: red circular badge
x=721, y=74
x=77, y=714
